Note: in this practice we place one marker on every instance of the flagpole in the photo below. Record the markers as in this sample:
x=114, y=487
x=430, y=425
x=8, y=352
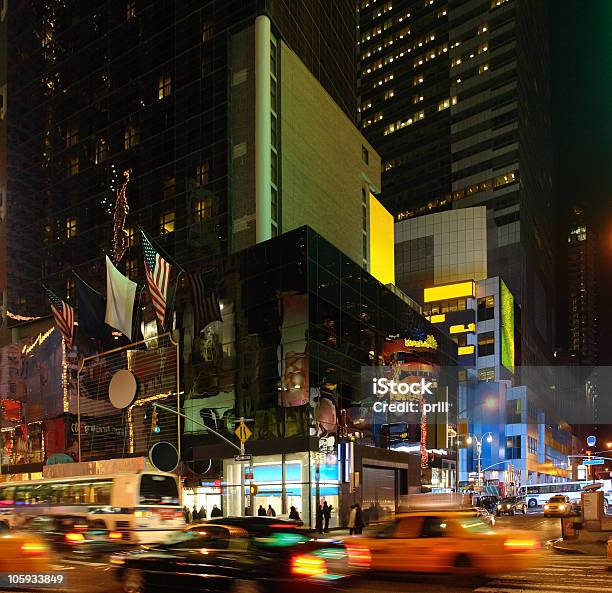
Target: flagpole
x=178, y=276
x=162, y=251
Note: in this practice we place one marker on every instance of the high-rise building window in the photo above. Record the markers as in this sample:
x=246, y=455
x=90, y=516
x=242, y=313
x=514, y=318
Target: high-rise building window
x=168, y=188
x=130, y=9
x=486, y=344
x=132, y=235
x=274, y=204
x=70, y=228
x=72, y=137
x=164, y=86
x=365, y=155
x=203, y=173
x=486, y=308
x=131, y=137
x=202, y=209
x=167, y=222
x=207, y=30
x=131, y=268
x=101, y=151
x=70, y=289
x=513, y=447
x=73, y=165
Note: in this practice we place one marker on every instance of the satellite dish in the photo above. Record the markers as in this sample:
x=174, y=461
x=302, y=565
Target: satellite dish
x=122, y=389
x=164, y=456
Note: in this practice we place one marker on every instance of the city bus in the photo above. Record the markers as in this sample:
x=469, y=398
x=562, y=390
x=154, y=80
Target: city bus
x=144, y=506
x=538, y=495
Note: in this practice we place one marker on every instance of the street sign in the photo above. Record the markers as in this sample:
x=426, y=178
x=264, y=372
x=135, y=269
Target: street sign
x=593, y=461
x=591, y=440
x=243, y=432
x=245, y=457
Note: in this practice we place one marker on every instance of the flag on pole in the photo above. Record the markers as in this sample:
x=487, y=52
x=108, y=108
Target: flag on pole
x=206, y=307
x=63, y=314
x=120, y=295
x=157, y=270
x=91, y=307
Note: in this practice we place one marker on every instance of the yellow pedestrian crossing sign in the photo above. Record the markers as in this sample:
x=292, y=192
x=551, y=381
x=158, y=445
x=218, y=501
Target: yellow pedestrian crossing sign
x=243, y=433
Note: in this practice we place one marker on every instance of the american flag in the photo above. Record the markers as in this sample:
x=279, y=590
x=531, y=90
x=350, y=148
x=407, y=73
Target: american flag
x=158, y=273
x=206, y=307
x=64, y=317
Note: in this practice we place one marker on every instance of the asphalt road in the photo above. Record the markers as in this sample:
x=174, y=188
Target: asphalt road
x=560, y=573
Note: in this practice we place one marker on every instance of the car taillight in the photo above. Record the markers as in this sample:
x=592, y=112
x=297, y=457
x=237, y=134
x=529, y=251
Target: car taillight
x=359, y=556
x=33, y=548
x=310, y=566
x=115, y=535
x=74, y=538
x=520, y=545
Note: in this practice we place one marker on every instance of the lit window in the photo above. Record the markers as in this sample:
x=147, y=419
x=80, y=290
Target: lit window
x=131, y=137
x=130, y=9
x=483, y=68
x=72, y=137
x=417, y=99
x=455, y=62
x=202, y=173
x=207, y=30
x=447, y=103
x=71, y=228
x=131, y=268
x=486, y=344
x=483, y=29
x=132, y=235
x=164, y=86
x=101, y=151
x=483, y=48
x=418, y=80
x=73, y=165
x=202, y=209
x=166, y=222
x=168, y=187
x=389, y=94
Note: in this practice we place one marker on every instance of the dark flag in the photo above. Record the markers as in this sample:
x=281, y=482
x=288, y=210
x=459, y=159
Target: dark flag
x=63, y=314
x=92, y=309
x=206, y=308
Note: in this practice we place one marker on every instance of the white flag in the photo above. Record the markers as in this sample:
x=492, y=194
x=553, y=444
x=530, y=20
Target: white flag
x=120, y=295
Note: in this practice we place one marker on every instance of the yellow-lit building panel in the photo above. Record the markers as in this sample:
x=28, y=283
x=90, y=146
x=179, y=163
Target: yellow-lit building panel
x=438, y=318
x=449, y=291
x=459, y=329
x=465, y=350
x=382, y=243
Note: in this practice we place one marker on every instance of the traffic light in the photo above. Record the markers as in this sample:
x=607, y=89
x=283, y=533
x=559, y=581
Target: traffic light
x=253, y=489
x=155, y=422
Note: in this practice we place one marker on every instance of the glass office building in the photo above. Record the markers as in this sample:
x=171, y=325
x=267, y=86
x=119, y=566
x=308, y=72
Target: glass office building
x=300, y=323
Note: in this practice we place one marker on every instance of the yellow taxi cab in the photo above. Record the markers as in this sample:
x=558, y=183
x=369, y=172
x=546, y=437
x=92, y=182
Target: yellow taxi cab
x=449, y=542
x=24, y=553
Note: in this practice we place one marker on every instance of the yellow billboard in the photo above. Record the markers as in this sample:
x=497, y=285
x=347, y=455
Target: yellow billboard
x=382, y=243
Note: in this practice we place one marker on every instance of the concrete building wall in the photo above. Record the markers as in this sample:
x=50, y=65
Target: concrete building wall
x=322, y=161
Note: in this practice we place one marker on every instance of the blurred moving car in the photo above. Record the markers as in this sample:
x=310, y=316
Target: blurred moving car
x=511, y=505
x=558, y=506
x=239, y=554
x=73, y=535
x=24, y=553
x=451, y=542
x=484, y=515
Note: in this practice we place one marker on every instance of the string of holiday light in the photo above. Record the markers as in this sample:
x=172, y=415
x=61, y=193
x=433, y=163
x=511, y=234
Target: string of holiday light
x=120, y=238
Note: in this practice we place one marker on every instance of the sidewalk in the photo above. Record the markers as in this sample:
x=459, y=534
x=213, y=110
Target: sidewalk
x=575, y=547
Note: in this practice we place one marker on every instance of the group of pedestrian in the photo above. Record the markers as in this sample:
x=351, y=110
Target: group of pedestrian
x=322, y=517
x=191, y=516
x=261, y=512
x=356, y=522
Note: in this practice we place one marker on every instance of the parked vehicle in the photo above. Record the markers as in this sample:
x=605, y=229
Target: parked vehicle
x=511, y=505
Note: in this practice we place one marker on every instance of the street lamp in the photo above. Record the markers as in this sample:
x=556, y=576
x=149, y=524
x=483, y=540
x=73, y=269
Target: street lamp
x=478, y=441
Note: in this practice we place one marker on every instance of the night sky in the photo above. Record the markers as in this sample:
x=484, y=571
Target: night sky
x=581, y=53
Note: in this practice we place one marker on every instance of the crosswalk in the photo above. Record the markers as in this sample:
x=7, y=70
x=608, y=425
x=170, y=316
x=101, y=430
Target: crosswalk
x=560, y=573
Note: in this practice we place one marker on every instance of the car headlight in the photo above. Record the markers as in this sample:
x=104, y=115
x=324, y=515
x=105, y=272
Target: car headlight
x=499, y=506
x=546, y=507
x=561, y=507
